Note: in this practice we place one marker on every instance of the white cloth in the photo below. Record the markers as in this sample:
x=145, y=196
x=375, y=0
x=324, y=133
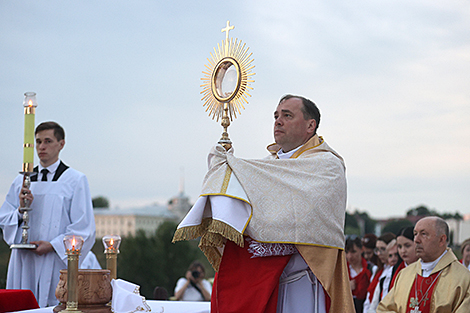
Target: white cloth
x=299, y=289
x=191, y=293
x=90, y=262
x=427, y=267
x=378, y=295
x=126, y=298
x=59, y=208
x=305, y=294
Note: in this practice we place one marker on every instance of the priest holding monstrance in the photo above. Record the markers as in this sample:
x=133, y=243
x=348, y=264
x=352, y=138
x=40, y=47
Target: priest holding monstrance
x=272, y=228
x=437, y=282
x=59, y=201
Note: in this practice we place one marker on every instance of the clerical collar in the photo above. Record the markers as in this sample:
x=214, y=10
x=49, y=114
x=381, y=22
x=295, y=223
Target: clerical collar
x=286, y=155
x=51, y=168
x=427, y=267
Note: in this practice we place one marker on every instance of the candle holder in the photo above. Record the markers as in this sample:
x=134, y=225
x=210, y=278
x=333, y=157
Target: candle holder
x=29, y=104
x=73, y=245
x=111, y=245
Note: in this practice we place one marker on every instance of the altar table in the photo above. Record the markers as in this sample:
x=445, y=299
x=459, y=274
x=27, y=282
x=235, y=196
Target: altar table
x=158, y=307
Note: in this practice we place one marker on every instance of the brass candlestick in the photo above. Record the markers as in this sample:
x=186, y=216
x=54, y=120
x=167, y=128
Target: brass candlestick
x=111, y=249
x=73, y=245
x=29, y=104
x=226, y=82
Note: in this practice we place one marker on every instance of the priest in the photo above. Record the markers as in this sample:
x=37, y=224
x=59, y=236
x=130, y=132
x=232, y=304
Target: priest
x=437, y=282
x=274, y=228
x=61, y=205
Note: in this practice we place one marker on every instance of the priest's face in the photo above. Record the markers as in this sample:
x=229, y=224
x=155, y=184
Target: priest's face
x=48, y=147
x=429, y=245
x=291, y=129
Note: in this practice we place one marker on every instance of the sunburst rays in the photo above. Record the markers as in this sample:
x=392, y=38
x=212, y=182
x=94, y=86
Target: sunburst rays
x=230, y=53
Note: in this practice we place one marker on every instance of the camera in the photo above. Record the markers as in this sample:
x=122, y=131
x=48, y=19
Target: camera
x=195, y=274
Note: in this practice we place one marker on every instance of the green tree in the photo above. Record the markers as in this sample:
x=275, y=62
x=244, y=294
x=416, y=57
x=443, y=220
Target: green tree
x=395, y=226
x=100, y=202
x=421, y=210
x=156, y=261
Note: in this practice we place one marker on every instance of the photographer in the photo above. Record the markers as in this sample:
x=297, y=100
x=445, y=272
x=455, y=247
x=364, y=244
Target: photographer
x=194, y=287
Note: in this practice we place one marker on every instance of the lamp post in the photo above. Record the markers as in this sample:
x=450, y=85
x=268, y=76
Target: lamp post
x=111, y=245
x=73, y=245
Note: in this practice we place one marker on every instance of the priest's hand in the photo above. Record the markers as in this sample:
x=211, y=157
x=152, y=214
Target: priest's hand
x=25, y=194
x=43, y=247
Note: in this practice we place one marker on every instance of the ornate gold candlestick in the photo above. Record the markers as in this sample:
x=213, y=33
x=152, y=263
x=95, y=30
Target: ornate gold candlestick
x=73, y=245
x=111, y=249
x=29, y=104
x=226, y=82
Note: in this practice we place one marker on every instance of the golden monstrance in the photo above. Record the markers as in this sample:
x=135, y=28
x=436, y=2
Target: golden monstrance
x=226, y=82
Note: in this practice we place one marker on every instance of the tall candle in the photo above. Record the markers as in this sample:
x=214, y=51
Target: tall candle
x=30, y=105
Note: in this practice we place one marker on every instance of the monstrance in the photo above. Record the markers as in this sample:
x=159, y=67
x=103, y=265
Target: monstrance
x=227, y=81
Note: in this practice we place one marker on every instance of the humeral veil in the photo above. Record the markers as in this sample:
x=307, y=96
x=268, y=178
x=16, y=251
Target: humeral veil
x=301, y=202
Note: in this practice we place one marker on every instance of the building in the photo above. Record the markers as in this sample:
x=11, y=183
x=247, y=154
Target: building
x=128, y=222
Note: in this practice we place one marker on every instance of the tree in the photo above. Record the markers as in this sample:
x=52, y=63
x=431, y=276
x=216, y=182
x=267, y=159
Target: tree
x=100, y=202
x=155, y=261
x=395, y=226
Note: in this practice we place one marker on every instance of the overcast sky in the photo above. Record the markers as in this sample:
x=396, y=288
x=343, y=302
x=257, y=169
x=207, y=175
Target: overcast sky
x=391, y=79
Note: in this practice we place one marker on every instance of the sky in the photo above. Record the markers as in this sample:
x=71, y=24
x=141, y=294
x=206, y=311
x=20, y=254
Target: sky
x=391, y=79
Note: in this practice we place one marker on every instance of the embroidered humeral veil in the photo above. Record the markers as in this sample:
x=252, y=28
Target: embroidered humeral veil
x=298, y=201
x=301, y=202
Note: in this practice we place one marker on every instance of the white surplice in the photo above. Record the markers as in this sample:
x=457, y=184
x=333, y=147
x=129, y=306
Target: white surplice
x=59, y=208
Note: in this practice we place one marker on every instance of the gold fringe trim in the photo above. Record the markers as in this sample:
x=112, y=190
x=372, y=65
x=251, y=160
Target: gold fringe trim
x=191, y=232
x=213, y=235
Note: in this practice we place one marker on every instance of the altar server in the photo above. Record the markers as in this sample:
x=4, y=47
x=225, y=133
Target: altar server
x=61, y=205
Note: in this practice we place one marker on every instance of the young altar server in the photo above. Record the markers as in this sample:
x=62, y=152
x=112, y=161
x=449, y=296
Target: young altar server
x=61, y=205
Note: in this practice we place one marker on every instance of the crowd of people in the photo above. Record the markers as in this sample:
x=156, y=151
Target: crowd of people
x=272, y=228
x=375, y=262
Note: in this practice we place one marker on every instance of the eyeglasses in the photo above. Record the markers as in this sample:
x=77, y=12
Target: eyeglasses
x=380, y=250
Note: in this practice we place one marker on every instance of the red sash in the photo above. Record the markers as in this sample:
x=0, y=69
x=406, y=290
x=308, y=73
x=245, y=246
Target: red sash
x=400, y=267
x=419, y=288
x=362, y=281
x=373, y=284
x=245, y=284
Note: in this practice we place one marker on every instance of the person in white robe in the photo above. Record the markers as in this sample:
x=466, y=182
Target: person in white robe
x=61, y=205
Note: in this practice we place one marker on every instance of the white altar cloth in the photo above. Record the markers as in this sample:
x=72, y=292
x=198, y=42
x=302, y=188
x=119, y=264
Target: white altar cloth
x=158, y=307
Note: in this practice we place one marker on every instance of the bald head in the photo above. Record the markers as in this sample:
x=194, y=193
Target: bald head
x=431, y=237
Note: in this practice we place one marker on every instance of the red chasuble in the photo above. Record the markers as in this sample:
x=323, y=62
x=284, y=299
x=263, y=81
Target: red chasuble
x=421, y=293
x=245, y=284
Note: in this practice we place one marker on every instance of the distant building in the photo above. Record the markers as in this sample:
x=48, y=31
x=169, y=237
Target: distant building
x=179, y=205
x=128, y=222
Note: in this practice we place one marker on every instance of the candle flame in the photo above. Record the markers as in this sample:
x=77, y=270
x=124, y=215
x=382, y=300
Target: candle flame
x=111, y=242
x=30, y=103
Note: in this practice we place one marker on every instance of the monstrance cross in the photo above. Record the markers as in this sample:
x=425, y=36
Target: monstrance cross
x=227, y=29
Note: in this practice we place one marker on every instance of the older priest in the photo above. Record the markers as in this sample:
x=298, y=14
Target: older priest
x=275, y=226
x=438, y=282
